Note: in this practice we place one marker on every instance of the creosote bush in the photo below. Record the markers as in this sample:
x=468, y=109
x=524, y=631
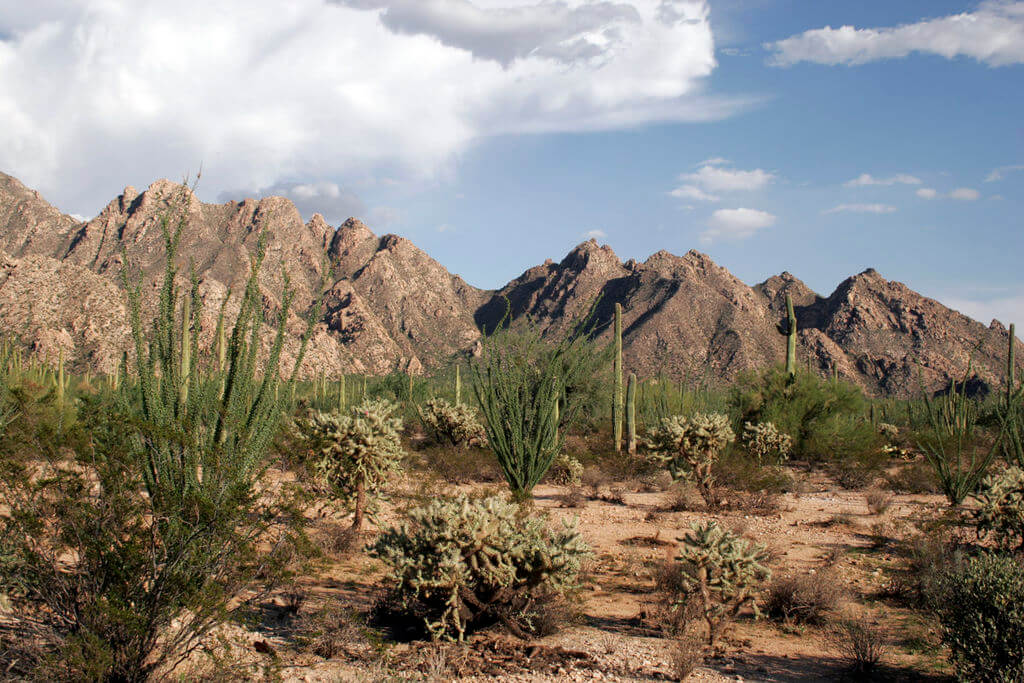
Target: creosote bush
x=859, y=642
x=982, y=614
x=766, y=443
x=720, y=573
x=803, y=598
x=1000, y=515
x=355, y=454
x=689, y=447
x=454, y=425
x=459, y=564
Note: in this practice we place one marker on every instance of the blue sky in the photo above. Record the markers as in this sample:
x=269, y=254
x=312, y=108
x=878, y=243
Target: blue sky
x=820, y=137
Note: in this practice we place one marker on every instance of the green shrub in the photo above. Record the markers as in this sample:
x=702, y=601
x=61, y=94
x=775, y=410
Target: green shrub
x=720, y=573
x=459, y=564
x=689, y=447
x=355, y=453
x=1000, y=515
x=803, y=598
x=982, y=614
x=456, y=425
x=823, y=417
x=766, y=443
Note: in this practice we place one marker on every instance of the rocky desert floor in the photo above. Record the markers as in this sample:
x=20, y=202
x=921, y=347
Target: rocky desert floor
x=615, y=632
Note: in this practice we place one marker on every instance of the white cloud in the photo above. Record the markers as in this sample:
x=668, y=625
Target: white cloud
x=1006, y=309
x=927, y=193
x=992, y=34
x=445, y=227
x=736, y=224
x=262, y=92
x=594, y=235
x=714, y=177
x=965, y=194
x=861, y=208
x=693, y=192
x=865, y=179
x=1000, y=173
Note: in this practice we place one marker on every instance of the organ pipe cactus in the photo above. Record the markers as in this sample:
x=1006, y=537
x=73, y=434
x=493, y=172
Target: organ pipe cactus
x=459, y=563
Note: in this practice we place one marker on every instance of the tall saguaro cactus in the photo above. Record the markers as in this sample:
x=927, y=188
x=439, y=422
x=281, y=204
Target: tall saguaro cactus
x=617, y=393
x=788, y=328
x=631, y=414
x=458, y=386
x=1011, y=380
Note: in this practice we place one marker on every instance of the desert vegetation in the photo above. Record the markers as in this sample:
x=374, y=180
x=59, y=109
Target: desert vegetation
x=540, y=510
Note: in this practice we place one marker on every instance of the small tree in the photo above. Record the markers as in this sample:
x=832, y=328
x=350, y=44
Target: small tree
x=528, y=387
x=721, y=572
x=356, y=453
x=689, y=446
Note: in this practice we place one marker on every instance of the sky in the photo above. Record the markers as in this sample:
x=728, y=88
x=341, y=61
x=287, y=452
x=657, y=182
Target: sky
x=822, y=137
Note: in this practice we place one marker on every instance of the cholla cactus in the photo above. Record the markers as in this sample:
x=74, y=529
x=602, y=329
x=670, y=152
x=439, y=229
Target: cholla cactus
x=766, y=442
x=722, y=572
x=355, y=453
x=461, y=562
x=690, y=446
x=566, y=471
x=453, y=424
x=889, y=431
x=1001, y=514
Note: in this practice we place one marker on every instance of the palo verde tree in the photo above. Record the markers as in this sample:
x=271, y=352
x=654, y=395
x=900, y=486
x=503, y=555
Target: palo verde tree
x=528, y=387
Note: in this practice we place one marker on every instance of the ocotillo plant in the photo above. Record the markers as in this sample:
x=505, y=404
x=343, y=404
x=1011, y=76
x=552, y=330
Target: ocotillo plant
x=788, y=329
x=617, y=391
x=631, y=414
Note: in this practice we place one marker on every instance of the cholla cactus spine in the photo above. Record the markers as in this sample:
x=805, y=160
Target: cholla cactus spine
x=455, y=424
x=690, y=446
x=723, y=570
x=1001, y=511
x=356, y=453
x=463, y=559
x=765, y=441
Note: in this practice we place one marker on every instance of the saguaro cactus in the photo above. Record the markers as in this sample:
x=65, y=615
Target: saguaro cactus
x=617, y=392
x=1010, y=365
x=788, y=328
x=631, y=414
x=458, y=386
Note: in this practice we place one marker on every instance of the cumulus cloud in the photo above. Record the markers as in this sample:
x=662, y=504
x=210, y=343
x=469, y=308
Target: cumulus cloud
x=861, y=208
x=736, y=224
x=927, y=193
x=866, y=179
x=594, y=235
x=1006, y=308
x=965, y=194
x=335, y=203
x=992, y=34
x=96, y=94
x=1000, y=173
x=714, y=177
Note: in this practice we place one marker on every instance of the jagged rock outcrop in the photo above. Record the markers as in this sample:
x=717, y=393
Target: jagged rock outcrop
x=386, y=305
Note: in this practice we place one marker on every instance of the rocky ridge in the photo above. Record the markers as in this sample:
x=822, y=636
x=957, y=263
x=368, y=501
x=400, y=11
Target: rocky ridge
x=388, y=306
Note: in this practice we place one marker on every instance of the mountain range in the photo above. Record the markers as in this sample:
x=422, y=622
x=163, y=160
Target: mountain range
x=388, y=306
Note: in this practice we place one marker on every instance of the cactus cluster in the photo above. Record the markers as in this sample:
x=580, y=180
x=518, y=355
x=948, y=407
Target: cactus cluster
x=461, y=563
x=1000, y=515
x=721, y=572
x=765, y=442
x=456, y=425
x=355, y=453
x=689, y=447
x=566, y=471
x=889, y=431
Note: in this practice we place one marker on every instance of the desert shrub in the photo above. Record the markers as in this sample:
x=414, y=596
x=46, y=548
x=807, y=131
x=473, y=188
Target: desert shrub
x=766, y=443
x=740, y=473
x=859, y=642
x=455, y=425
x=530, y=389
x=460, y=564
x=689, y=447
x=720, y=573
x=823, y=417
x=803, y=598
x=462, y=465
x=355, y=454
x=1000, y=515
x=686, y=654
x=916, y=477
x=982, y=615
x=954, y=443
x=566, y=471
x=890, y=431
x=133, y=542
x=878, y=501
x=930, y=557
